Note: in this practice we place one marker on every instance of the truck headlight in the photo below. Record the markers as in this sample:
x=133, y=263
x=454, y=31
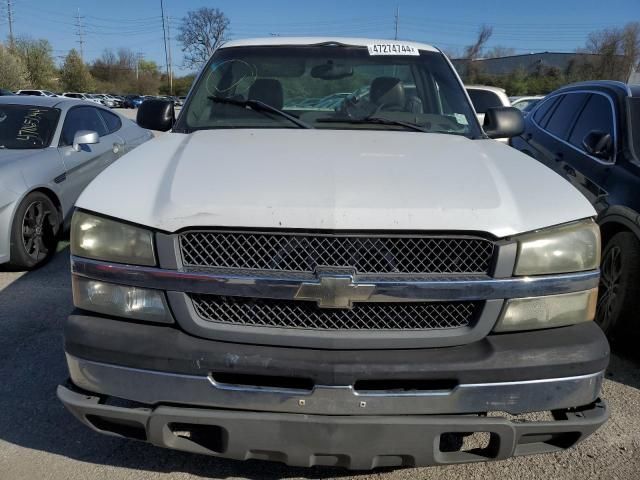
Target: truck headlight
x=547, y=312
x=100, y=238
x=573, y=247
x=120, y=300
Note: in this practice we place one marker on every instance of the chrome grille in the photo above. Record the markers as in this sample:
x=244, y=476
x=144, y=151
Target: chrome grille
x=307, y=315
x=295, y=252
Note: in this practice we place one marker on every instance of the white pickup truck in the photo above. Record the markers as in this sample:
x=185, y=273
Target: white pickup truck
x=377, y=285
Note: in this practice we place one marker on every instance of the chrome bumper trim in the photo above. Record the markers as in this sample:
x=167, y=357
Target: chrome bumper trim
x=154, y=387
x=398, y=289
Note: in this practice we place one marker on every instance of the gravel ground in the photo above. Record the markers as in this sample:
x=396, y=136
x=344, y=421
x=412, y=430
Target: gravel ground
x=40, y=440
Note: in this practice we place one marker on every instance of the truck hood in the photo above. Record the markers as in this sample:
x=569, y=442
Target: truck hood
x=333, y=179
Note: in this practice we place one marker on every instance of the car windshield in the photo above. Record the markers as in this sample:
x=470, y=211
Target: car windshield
x=329, y=87
x=26, y=126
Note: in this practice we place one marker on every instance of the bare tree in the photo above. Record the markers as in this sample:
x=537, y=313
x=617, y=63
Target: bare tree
x=473, y=51
x=201, y=32
x=617, y=50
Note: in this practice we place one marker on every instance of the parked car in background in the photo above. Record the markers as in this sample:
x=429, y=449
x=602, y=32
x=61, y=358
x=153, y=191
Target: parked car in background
x=105, y=100
x=332, y=101
x=484, y=97
x=132, y=101
x=78, y=96
x=117, y=101
x=50, y=149
x=525, y=104
x=5, y=92
x=36, y=93
x=589, y=133
x=359, y=287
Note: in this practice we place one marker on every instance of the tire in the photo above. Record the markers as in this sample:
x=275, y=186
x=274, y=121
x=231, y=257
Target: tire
x=34, y=232
x=619, y=294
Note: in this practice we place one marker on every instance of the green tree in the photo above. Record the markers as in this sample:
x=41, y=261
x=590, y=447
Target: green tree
x=13, y=75
x=181, y=85
x=148, y=78
x=75, y=75
x=37, y=58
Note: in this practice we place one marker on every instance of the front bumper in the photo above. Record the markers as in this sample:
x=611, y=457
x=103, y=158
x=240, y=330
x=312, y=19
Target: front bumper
x=355, y=442
x=351, y=410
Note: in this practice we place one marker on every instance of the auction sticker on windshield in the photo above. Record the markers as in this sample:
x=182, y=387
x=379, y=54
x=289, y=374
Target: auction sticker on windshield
x=392, y=48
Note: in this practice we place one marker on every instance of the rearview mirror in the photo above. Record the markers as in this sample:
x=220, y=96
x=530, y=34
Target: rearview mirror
x=156, y=115
x=85, y=137
x=503, y=122
x=331, y=71
x=599, y=144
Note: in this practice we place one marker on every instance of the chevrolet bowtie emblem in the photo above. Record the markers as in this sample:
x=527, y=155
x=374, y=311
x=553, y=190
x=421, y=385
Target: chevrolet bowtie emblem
x=335, y=291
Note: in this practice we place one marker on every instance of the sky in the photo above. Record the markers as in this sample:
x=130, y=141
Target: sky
x=544, y=25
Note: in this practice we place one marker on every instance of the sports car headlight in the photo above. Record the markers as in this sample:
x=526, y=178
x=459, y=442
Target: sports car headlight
x=568, y=248
x=100, y=238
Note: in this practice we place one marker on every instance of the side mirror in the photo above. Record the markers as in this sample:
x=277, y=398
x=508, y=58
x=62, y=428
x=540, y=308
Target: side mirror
x=503, y=122
x=156, y=115
x=599, y=144
x=85, y=137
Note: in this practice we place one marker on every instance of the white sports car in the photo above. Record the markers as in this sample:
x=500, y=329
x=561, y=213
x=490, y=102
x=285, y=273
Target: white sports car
x=50, y=149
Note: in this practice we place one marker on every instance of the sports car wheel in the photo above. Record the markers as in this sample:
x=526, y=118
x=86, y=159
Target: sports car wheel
x=34, y=232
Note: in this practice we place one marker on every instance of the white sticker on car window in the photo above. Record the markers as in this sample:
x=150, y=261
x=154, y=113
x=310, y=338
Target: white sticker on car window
x=461, y=118
x=392, y=48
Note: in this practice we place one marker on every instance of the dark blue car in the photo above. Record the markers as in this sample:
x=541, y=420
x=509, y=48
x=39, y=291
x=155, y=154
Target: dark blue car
x=133, y=101
x=590, y=134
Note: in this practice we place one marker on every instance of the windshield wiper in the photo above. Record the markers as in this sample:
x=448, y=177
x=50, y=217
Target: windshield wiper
x=374, y=121
x=259, y=106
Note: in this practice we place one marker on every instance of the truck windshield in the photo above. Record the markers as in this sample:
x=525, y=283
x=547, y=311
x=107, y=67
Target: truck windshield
x=26, y=126
x=330, y=87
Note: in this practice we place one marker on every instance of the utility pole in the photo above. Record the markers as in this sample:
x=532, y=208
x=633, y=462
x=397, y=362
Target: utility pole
x=397, y=20
x=164, y=34
x=10, y=18
x=170, y=58
x=139, y=56
x=80, y=34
